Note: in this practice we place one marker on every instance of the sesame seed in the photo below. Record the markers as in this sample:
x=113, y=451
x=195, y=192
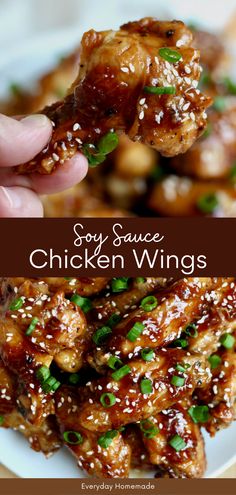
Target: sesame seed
x=55, y=157
x=76, y=127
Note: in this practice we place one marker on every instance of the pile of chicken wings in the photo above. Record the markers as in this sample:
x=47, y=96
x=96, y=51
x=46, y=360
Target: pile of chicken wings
x=124, y=372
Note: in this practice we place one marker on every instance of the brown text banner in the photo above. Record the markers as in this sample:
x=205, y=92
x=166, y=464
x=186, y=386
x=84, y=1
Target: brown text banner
x=118, y=247
x=117, y=486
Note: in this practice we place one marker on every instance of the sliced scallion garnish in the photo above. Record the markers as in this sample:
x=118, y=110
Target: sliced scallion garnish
x=107, y=400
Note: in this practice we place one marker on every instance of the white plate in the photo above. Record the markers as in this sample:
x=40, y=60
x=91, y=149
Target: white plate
x=23, y=65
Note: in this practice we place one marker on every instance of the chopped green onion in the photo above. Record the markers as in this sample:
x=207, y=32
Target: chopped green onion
x=121, y=372
x=227, y=341
x=177, y=443
x=149, y=303
x=43, y=373
x=182, y=367
x=191, y=330
x=114, y=362
x=32, y=326
x=94, y=158
x=230, y=85
x=108, y=143
x=16, y=304
x=207, y=203
x=177, y=381
x=15, y=89
x=48, y=382
x=170, y=55
x=76, y=439
x=232, y=174
x=214, y=361
x=160, y=90
x=113, y=320
x=122, y=428
x=74, y=378
x=147, y=354
x=140, y=280
x=68, y=278
x=60, y=92
x=119, y=284
x=208, y=131
x=148, y=429
x=83, y=302
x=105, y=440
x=192, y=26
x=135, y=331
x=50, y=385
x=219, y=104
x=157, y=173
x=146, y=386
x=180, y=343
x=107, y=400
x=199, y=414
x=1, y=420
x=100, y=336
x=206, y=79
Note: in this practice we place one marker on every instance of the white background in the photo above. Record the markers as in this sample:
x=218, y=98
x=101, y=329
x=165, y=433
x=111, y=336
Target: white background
x=22, y=19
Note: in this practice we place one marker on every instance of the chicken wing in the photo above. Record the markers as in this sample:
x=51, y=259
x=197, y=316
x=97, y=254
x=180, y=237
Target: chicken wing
x=112, y=461
x=213, y=156
x=190, y=461
x=220, y=393
x=141, y=80
x=131, y=402
x=175, y=308
x=176, y=196
x=43, y=437
x=36, y=325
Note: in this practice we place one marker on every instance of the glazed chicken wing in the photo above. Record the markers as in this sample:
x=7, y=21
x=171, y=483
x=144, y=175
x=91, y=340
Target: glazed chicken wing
x=220, y=393
x=136, y=399
x=189, y=462
x=174, y=309
x=176, y=196
x=110, y=462
x=132, y=404
x=43, y=437
x=213, y=156
x=142, y=81
x=36, y=325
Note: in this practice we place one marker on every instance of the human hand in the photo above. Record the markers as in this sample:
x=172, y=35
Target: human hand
x=20, y=141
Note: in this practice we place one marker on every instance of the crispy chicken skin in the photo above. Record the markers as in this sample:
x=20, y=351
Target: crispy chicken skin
x=187, y=463
x=109, y=94
x=100, y=416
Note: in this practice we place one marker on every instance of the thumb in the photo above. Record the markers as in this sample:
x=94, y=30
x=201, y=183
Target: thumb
x=21, y=140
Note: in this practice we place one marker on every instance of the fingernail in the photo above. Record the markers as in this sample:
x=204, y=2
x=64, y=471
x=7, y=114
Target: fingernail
x=36, y=120
x=10, y=198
